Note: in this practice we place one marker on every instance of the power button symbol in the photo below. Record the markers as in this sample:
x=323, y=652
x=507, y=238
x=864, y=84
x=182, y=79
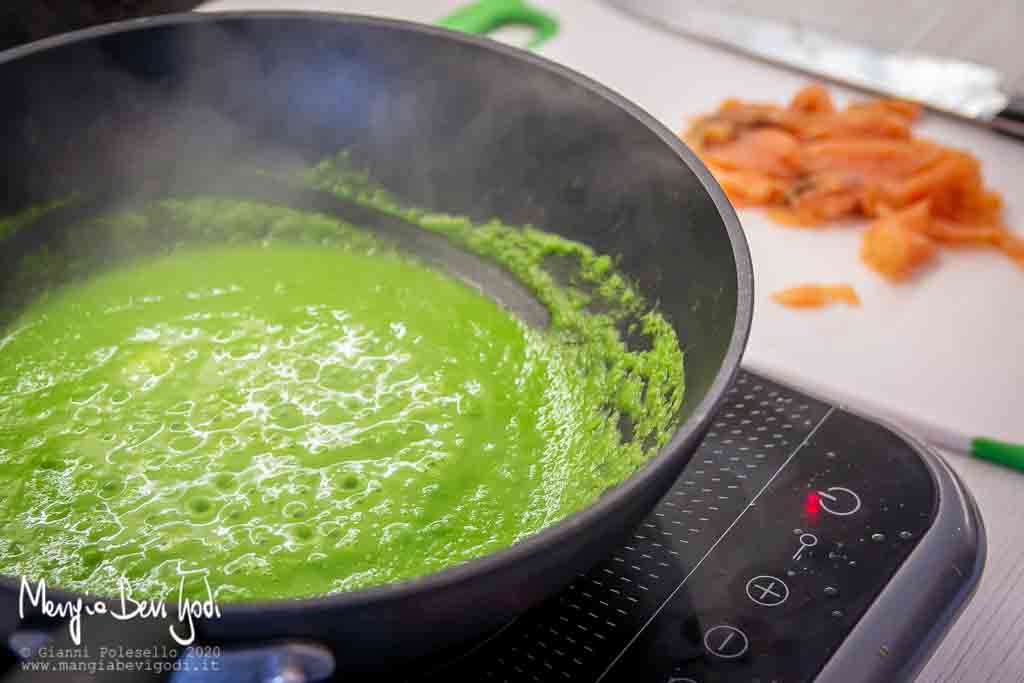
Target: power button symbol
x=839, y=501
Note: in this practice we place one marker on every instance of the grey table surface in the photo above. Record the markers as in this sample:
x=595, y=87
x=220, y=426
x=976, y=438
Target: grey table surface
x=987, y=642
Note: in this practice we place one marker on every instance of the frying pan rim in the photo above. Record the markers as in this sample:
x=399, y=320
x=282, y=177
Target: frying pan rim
x=684, y=439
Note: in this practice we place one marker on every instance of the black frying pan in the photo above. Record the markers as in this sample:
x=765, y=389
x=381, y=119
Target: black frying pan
x=447, y=122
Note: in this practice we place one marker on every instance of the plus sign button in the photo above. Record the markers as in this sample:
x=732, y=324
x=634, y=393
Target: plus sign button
x=767, y=591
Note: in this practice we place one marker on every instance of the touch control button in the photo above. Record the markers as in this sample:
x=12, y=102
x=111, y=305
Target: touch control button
x=767, y=591
x=839, y=501
x=726, y=642
x=806, y=541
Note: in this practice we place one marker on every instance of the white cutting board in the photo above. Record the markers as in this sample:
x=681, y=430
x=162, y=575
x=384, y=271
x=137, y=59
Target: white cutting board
x=946, y=349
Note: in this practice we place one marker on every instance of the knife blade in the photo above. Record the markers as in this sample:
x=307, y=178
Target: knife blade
x=963, y=89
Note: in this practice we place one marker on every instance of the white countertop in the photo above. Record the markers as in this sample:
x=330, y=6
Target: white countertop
x=945, y=350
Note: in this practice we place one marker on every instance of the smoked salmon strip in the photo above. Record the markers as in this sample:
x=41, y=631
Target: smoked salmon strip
x=817, y=296
x=896, y=244
x=812, y=164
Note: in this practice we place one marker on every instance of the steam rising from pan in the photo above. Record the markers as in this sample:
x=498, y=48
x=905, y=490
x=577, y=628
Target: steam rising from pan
x=164, y=103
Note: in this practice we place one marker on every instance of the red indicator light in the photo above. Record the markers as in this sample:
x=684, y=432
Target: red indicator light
x=812, y=505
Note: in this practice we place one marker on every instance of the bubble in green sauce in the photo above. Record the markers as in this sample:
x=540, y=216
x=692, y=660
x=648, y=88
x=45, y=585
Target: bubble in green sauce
x=251, y=399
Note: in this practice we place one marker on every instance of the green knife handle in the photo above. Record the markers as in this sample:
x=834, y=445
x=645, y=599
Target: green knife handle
x=486, y=16
x=1009, y=454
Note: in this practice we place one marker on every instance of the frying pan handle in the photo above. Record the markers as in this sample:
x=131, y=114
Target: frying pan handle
x=41, y=658
x=144, y=650
x=486, y=16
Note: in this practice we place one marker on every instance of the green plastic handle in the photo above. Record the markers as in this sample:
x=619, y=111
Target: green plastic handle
x=1009, y=454
x=486, y=16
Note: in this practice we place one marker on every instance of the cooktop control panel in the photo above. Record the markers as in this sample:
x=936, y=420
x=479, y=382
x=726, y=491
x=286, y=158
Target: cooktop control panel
x=779, y=592
x=784, y=528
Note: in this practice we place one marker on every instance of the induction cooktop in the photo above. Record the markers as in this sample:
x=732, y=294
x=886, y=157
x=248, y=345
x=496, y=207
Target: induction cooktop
x=803, y=542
